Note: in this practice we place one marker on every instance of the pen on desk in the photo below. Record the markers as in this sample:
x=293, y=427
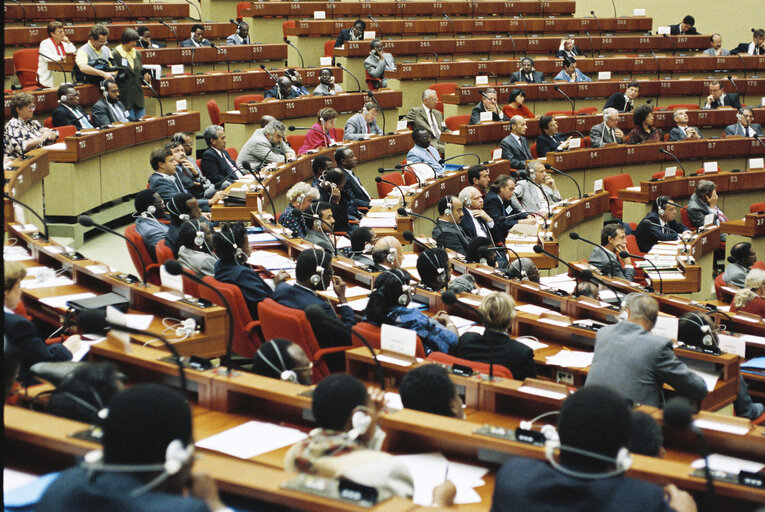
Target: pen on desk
x=446, y=473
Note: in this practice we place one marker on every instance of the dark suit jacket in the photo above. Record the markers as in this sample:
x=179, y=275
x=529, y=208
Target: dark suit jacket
x=475, y=114
x=545, y=143
x=450, y=236
x=729, y=100
x=343, y=36
x=356, y=194
x=188, y=43
x=23, y=335
x=618, y=101
x=166, y=188
x=253, y=287
x=537, y=78
x=214, y=167
x=468, y=226
x=560, y=54
x=675, y=31
x=515, y=153
x=102, y=115
x=496, y=208
x=62, y=116
x=129, y=80
x=513, y=355
x=648, y=234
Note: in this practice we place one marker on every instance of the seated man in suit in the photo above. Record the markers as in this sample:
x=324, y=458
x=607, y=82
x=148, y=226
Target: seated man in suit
x=424, y=152
x=284, y=360
x=217, y=164
x=109, y=109
x=550, y=139
x=166, y=181
x=570, y=73
x=475, y=221
x=488, y=103
x=719, y=98
x=149, y=210
x=503, y=207
x=297, y=82
x=426, y=116
x=530, y=197
x=313, y=272
x=197, y=37
x=355, y=33
x=181, y=207
x=241, y=36
x=388, y=253
x=144, y=40
x=327, y=85
x=378, y=63
x=428, y=388
x=515, y=147
x=362, y=124
x=702, y=203
x=635, y=363
x=567, y=50
x=742, y=257
x=606, y=258
x=283, y=90
x=594, y=428
x=478, y=177
x=320, y=223
x=684, y=28
x=682, y=131
x=193, y=180
x=527, y=73
x=447, y=231
x=334, y=189
x=498, y=311
x=659, y=225
x=345, y=159
x=715, y=46
x=608, y=131
x=233, y=250
x=362, y=244
x=624, y=101
x=265, y=146
x=69, y=111
x=757, y=46
x=746, y=127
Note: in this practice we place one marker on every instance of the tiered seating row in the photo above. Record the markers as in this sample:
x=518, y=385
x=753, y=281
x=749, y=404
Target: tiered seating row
x=39, y=11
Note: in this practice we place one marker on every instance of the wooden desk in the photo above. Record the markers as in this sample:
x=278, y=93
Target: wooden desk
x=749, y=229
x=24, y=182
x=36, y=12
x=46, y=100
x=206, y=54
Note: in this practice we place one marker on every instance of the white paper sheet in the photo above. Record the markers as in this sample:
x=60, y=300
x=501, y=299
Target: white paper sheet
x=393, y=360
x=720, y=427
x=61, y=300
x=252, y=438
x=731, y=465
x=542, y=392
x=171, y=296
x=533, y=309
x=532, y=344
x=571, y=359
x=431, y=469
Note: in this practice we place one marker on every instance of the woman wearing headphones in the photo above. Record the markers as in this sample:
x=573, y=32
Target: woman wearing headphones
x=323, y=133
x=195, y=249
x=388, y=305
x=751, y=298
x=300, y=196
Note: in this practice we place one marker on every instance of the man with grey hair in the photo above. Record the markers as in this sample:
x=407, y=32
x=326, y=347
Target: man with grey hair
x=608, y=131
x=682, y=131
x=475, y=222
x=217, y=164
x=530, y=196
x=635, y=363
x=363, y=124
x=746, y=127
x=715, y=46
x=266, y=145
x=515, y=147
x=488, y=103
x=426, y=116
x=523, y=268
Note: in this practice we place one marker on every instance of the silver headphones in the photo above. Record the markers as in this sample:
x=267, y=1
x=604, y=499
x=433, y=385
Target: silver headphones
x=406, y=291
x=622, y=461
x=448, y=210
x=239, y=256
x=707, y=338
x=170, y=205
x=317, y=279
x=284, y=373
x=440, y=271
x=661, y=209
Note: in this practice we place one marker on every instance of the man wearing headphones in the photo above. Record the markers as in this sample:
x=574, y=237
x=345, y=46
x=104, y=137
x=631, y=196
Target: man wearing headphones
x=320, y=223
x=378, y=63
x=149, y=210
x=743, y=257
x=359, y=126
x=181, y=207
x=746, y=127
x=659, y=225
x=475, y=222
x=285, y=360
x=363, y=240
x=241, y=36
x=109, y=109
x=594, y=429
x=434, y=268
x=145, y=464
x=69, y=111
x=447, y=231
x=635, y=363
x=195, y=248
x=313, y=272
x=606, y=258
x=388, y=253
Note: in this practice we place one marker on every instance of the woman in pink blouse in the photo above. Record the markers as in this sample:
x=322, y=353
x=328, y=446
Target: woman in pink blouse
x=323, y=133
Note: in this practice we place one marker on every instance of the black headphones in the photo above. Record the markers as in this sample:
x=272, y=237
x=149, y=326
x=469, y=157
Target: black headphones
x=239, y=256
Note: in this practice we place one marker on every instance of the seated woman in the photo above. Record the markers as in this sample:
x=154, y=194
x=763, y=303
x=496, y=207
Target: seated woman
x=388, y=305
x=334, y=191
x=232, y=249
x=285, y=360
x=516, y=107
x=644, y=130
x=550, y=139
x=299, y=197
x=751, y=298
x=85, y=392
x=23, y=133
x=195, y=247
x=323, y=133
x=498, y=310
x=434, y=268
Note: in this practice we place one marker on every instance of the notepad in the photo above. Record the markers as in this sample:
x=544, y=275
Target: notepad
x=252, y=438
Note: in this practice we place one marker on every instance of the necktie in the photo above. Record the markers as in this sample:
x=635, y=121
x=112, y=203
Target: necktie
x=525, y=147
x=84, y=123
x=613, y=135
x=119, y=114
x=746, y=132
x=434, y=125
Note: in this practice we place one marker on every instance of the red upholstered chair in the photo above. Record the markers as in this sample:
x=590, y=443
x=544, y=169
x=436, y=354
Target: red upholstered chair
x=533, y=149
x=633, y=225
x=383, y=189
x=328, y=46
x=700, y=172
x=152, y=269
x=685, y=219
x=48, y=122
x=614, y=184
x=723, y=290
x=288, y=24
x=164, y=253
x=232, y=152
x=279, y=321
x=586, y=110
x=443, y=88
x=65, y=131
x=632, y=245
x=241, y=7
x=554, y=113
x=759, y=264
x=757, y=207
x=25, y=65
x=213, y=110
x=295, y=141
x=247, y=98
x=247, y=337
x=373, y=84
x=682, y=106
x=499, y=370
x=410, y=179
x=454, y=122
x=660, y=175
x=440, y=106
x=190, y=287
x=372, y=334
x=340, y=133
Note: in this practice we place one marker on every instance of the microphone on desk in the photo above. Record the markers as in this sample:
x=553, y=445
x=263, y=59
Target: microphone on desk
x=409, y=237
x=159, y=100
x=403, y=168
x=225, y=54
x=274, y=78
x=521, y=273
x=382, y=36
x=59, y=65
x=672, y=42
x=656, y=60
x=378, y=179
x=312, y=217
x=358, y=85
x=454, y=31
x=246, y=165
x=444, y=160
x=302, y=62
x=88, y=222
x=172, y=28
x=23, y=12
x=570, y=101
x=662, y=150
x=610, y=257
x=625, y=255
x=404, y=213
x=95, y=321
x=540, y=250
x=174, y=268
x=678, y=414
x=450, y=299
x=500, y=115
x=199, y=13
x=324, y=135
x=592, y=45
x=730, y=77
x=553, y=169
x=29, y=208
x=316, y=315
x=525, y=28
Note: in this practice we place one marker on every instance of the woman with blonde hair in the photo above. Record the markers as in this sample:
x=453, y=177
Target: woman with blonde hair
x=323, y=133
x=300, y=197
x=751, y=298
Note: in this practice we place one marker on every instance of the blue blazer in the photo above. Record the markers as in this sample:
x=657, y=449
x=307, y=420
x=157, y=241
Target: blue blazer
x=253, y=287
x=427, y=155
x=23, y=335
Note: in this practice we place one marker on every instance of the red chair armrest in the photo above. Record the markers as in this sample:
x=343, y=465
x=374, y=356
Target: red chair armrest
x=252, y=326
x=330, y=350
x=759, y=420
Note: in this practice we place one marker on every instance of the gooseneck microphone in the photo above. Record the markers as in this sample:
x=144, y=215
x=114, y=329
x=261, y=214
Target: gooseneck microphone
x=316, y=315
x=302, y=62
x=29, y=208
x=540, y=250
x=600, y=29
x=610, y=257
x=382, y=36
x=409, y=237
x=667, y=228
x=662, y=150
x=625, y=254
x=23, y=12
x=379, y=109
x=88, y=222
x=450, y=299
x=656, y=60
x=324, y=135
x=592, y=45
x=672, y=42
x=404, y=168
x=443, y=160
x=570, y=101
x=587, y=275
x=172, y=29
x=404, y=213
x=378, y=179
x=199, y=13
x=553, y=169
x=273, y=77
x=358, y=85
x=247, y=166
x=454, y=31
x=57, y=63
x=156, y=95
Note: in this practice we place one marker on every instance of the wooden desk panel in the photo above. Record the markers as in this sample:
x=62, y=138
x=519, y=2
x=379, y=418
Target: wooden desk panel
x=205, y=55
x=36, y=12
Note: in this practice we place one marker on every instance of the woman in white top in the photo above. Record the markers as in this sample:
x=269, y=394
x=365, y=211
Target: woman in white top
x=55, y=48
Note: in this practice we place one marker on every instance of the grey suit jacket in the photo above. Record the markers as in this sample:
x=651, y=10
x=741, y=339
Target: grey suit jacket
x=322, y=240
x=356, y=128
x=737, y=129
x=600, y=136
x=376, y=67
x=518, y=76
x=417, y=116
x=635, y=363
x=512, y=151
x=609, y=265
x=257, y=148
x=102, y=115
x=678, y=133
x=735, y=274
x=697, y=210
x=450, y=236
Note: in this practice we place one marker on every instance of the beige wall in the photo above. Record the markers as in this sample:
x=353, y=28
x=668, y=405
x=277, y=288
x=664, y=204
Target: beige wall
x=725, y=17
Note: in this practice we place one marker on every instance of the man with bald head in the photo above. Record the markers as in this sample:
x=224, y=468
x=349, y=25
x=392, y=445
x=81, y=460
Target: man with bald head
x=515, y=147
x=388, y=252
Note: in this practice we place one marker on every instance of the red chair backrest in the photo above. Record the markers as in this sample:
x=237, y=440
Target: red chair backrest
x=685, y=219
x=614, y=184
x=660, y=175
x=383, y=189
x=328, y=46
x=65, y=131
x=440, y=106
x=632, y=245
x=533, y=149
x=241, y=7
x=164, y=253
x=132, y=235
x=288, y=24
x=340, y=133
x=233, y=153
x=190, y=287
x=454, y=122
x=443, y=88
x=247, y=98
x=25, y=65
x=722, y=294
x=242, y=344
x=499, y=370
x=759, y=264
x=757, y=207
x=295, y=141
x=587, y=110
x=554, y=113
x=213, y=110
x=372, y=334
x=372, y=83
x=48, y=122
x=279, y=321
x=410, y=178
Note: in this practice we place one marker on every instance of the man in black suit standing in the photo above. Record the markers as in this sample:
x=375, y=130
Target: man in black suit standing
x=719, y=98
x=69, y=111
x=355, y=33
x=515, y=147
x=527, y=73
x=686, y=28
x=217, y=164
x=624, y=101
x=109, y=109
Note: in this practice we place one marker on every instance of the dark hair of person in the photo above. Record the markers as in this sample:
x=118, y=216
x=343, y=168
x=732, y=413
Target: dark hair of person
x=741, y=250
x=63, y=90
x=143, y=199
x=647, y=438
x=428, y=263
x=335, y=176
x=473, y=246
x=689, y=20
x=178, y=205
x=197, y=26
x=640, y=114
x=319, y=164
x=609, y=231
x=474, y=173
x=362, y=23
x=93, y=383
x=340, y=155
x=260, y=367
x=444, y=202
x=514, y=94
x=544, y=123
x=360, y=237
x=129, y=35
x=428, y=388
x=158, y=156
x=306, y=263
x=97, y=31
x=500, y=182
x=385, y=296
x=142, y=30
x=633, y=84
x=223, y=238
x=334, y=400
x=188, y=232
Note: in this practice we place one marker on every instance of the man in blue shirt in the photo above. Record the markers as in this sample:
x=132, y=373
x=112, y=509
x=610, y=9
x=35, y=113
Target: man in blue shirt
x=424, y=152
x=570, y=73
